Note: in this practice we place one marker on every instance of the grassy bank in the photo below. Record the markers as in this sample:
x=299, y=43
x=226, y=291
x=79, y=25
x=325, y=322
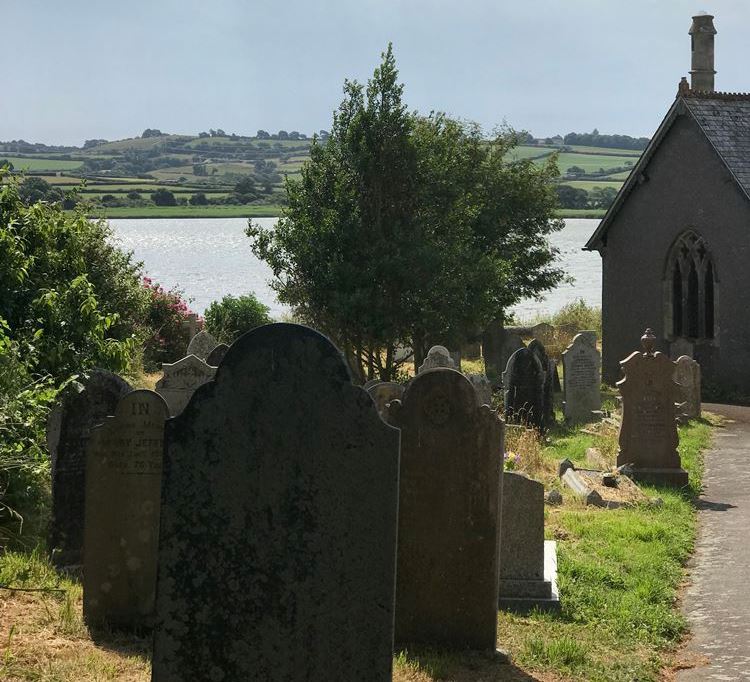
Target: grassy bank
x=580, y=212
x=244, y=211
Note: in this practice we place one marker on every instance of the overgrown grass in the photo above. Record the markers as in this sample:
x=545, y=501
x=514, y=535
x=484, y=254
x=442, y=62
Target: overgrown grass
x=245, y=211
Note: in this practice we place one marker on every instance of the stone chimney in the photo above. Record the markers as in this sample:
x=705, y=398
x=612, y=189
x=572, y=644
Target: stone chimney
x=702, y=34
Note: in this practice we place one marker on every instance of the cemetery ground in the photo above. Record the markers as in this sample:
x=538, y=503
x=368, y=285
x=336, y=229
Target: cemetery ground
x=619, y=576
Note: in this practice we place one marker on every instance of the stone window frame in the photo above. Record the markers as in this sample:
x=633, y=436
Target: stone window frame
x=690, y=248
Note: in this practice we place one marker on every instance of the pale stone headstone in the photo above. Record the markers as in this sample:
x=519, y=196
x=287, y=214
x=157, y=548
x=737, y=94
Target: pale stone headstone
x=582, y=373
x=548, y=387
x=82, y=406
x=523, y=380
x=277, y=547
x=181, y=379
x=437, y=356
x=123, y=496
x=680, y=347
x=523, y=583
x=217, y=355
x=483, y=388
x=449, y=514
x=498, y=344
x=648, y=433
x=201, y=345
x=383, y=392
x=688, y=376
x=544, y=333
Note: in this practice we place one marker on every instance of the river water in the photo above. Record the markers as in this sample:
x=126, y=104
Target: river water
x=210, y=257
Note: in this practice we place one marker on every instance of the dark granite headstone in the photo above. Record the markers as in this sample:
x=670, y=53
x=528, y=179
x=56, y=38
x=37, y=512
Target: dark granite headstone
x=524, y=379
x=123, y=493
x=82, y=406
x=217, y=355
x=548, y=388
x=648, y=433
x=498, y=344
x=449, y=514
x=277, y=546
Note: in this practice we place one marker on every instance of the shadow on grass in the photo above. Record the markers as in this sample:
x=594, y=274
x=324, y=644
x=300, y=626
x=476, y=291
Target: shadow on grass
x=458, y=666
x=123, y=642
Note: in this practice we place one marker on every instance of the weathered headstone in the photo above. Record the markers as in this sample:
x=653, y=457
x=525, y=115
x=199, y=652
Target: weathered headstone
x=582, y=374
x=483, y=388
x=498, y=344
x=648, y=434
x=680, y=347
x=123, y=495
x=201, y=344
x=383, y=392
x=523, y=583
x=437, y=356
x=82, y=406
x=181, y=379
x=277, y=547
x=449, y=514
x=217, y=355
x=688, y=376
x=543, y=332
x=523, y=396
x=548, y=387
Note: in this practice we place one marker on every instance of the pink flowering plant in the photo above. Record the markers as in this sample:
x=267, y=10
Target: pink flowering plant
x=166, y=320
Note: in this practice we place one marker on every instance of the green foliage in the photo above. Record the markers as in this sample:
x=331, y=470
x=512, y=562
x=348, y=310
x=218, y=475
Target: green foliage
x=163, y=197
x=166, y=317
x=579, y=314
x=408, y=229
x=233, y=316
x=35, y=189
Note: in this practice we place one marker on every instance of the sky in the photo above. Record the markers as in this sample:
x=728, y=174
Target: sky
x=83, y=69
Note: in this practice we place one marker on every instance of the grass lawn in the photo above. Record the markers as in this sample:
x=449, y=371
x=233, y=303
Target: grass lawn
x=580, y=212
x=40, y=164
x=591, y=162
x=588, y=185
x=529, y=152
x=245, y=211
x=582, y=149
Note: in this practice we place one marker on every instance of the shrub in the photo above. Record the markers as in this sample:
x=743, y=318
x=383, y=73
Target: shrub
x=233, y=316
x=579, y=314
x=166, y=317
x=163, y=197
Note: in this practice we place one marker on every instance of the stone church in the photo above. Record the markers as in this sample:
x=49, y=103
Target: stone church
x=675, y=244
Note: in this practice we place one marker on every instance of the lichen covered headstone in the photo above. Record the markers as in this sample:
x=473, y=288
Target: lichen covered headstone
x=449, y=514
x=582, y=374
x=181, y=379
x=688, y=376
x=648, y=433
x=278, y=523
x=201, y=344
x=437, y=356
x=83, y=405
x=217, y=355
x=123, y=495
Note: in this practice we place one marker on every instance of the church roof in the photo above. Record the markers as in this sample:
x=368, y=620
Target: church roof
x=724, y=119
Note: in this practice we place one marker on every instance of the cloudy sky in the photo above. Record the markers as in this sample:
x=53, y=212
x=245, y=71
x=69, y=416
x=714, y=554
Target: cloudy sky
x=84, y=69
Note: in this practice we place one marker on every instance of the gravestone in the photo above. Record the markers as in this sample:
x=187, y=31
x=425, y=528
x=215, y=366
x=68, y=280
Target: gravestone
x=449, y=514
x=383, y=392
x=543, y=332
x=437, y=356
x=181, y=379
x=277, y=546
x=548, y=387
x=456, y=357
x=498, y=344
x=201, y=345
x=648, y=433
x=582, y=372
x=472, y=350
x=82, y=406
x=523, y=583
x=688, y=376
x=217, y=355
x=483, y=388
x=523, y=380
x=123, y=495
x=680, y=347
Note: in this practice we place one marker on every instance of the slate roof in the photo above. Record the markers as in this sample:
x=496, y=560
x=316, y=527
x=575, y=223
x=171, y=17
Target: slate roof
x=725, y=120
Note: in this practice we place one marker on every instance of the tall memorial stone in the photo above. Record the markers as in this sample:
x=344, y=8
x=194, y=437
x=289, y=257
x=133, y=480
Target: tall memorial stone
x=648, y=434
x=498, y=344
x=527, y=562
x=523, y=380
x=277, y=546
x=123, y=493
x=384, y=392
x=83, y=405
x=548, y=386
x=449, y=514
x=482, y=386
x=217, y=355
x=582, y=373
x=688, y=376
x=181, y=379
x=201, y=344
x=437, y=356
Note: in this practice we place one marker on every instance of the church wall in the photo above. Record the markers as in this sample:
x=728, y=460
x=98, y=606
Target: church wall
x=687, y=186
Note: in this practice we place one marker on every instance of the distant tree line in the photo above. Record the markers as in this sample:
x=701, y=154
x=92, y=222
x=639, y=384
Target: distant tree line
x=596, y=139
x=577, y=197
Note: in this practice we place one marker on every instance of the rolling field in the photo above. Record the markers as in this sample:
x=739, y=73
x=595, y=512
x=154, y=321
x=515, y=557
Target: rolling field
x=588, y=185
x=246, y=211
x=592, y=162
x=40, y=164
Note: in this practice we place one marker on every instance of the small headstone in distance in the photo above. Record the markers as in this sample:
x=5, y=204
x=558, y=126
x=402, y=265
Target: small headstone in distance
x=82, y=406
x=688, y=376
x=523, y=383
x=437, y=356
x=201, y=344
x=123, y=496
x=383, y=393
x=217, y=355
x=181, y=379
x=554, y=498
x=582, y=372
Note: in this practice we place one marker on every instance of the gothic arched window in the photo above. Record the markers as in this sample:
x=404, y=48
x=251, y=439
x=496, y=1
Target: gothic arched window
x=690, y=279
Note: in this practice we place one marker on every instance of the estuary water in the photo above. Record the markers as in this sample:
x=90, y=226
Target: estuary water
x=208, y=258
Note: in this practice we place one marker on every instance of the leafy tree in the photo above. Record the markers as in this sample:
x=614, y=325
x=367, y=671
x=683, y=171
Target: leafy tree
x=263, y=135
x=246, y=190
x=152, y=132
x=231, y=317
x=204, y=134
x=576, y=171
x=602, y=197
x=572, y=197
x=294, y=135
x=4, y=163
x=408, y=230
x=134, y=196
x=109, y=200
x=198, y=199
x=283, y=135
x=163, y=197
x=35, y=189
